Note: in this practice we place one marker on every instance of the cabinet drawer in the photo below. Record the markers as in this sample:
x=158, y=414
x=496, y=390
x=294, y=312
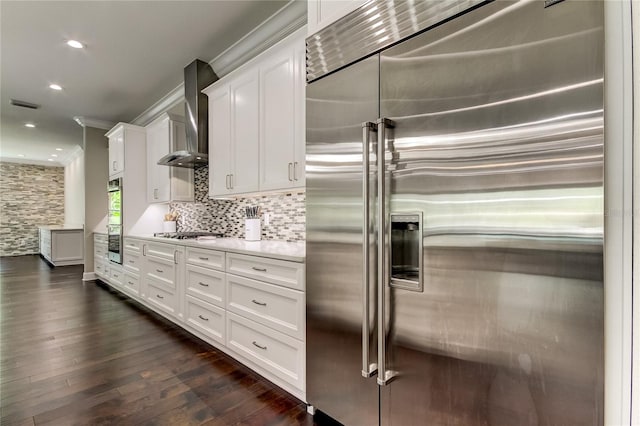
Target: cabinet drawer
x=281, y=272
x=99, y=269
x=133, y=246
x=131, y=283
x=132, y=262
x=161, y=251
x=207, y=258
x=116, y=275
x=162, y=270
x=277, y=307
x=160, y=297
x=206, y=284
x=280, y=354
x=100, y=251
x=100, y=238
x=206, y=318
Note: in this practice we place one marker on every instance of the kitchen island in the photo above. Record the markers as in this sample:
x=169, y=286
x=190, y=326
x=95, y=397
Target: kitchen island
x=62, y=245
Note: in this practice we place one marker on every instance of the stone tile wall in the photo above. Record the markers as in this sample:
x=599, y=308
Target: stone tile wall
x=286, y=211
x=30, y=195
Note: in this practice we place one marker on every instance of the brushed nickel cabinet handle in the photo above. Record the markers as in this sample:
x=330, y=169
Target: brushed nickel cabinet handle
x=295, y=170
x=203, y=258
x=264, y=348
x=130, y=283
x=160, y=271
x=259, y=303
x=203, y=284
x=203, y=318
x=259, y=269
x=114, y=165
x=159, y=297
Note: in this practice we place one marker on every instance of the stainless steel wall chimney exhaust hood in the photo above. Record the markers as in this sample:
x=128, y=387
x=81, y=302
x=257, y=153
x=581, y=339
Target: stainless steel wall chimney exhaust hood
x=197, y=75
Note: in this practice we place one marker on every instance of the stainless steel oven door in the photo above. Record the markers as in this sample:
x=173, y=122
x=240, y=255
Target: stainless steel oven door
x=114, y=225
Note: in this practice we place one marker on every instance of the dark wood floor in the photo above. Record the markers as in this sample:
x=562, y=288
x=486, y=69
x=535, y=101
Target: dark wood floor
x=81, y=354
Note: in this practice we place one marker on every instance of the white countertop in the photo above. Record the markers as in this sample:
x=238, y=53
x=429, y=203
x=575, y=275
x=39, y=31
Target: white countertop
x=61, y=227
x=284, y=250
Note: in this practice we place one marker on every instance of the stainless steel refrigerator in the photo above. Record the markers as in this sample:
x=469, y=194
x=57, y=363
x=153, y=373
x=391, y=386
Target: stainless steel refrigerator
x=455, y=214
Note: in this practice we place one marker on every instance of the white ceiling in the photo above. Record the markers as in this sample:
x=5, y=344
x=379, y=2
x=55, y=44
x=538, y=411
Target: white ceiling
x=135, y=54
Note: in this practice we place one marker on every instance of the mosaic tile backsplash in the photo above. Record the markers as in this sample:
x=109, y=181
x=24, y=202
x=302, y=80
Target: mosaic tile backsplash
x=286, y=212
x=30, y=195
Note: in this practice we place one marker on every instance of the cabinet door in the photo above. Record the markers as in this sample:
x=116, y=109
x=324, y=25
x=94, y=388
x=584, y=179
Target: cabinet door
x=219, y=141
x=116, y=153
x=277, y=124
x=300, y=129
x=158, y=145
x=245, y=132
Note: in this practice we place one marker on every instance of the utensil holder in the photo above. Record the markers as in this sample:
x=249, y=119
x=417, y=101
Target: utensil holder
x=169, y=226
x=252, y=229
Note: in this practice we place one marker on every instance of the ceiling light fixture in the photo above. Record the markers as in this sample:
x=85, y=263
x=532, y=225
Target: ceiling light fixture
x=31, y=125
x=49, y=159
x=20, y=155
x=54, y=155
x=75, y=44
x=59, y=149
x=55, y=87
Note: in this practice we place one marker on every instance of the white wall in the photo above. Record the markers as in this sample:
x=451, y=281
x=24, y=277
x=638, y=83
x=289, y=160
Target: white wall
x=74, y=190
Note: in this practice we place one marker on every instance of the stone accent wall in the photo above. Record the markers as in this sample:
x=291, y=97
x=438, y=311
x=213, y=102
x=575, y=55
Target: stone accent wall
x=286, y=211
x=30, y=195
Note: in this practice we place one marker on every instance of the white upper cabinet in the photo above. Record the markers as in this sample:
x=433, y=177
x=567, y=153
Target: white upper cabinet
x=321, y=13
x=116, y=152
x=282, y=140
x=233, y=135
x=256, y=123
x=167, y=134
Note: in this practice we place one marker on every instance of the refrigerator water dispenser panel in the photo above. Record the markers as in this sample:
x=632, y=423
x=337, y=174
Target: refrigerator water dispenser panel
x=406, y=251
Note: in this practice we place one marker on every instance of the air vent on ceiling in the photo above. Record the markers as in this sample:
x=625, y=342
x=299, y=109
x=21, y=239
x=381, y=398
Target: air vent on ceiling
x=24, y=104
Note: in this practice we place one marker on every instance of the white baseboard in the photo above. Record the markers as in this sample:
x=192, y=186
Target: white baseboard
x=89, y=276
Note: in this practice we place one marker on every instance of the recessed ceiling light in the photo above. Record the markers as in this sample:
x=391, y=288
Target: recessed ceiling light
x=59, y=149
x=75, y=44
x=30, y=125
x=54, y=155
x=55, y=87
x=20, y=155
x=49, y=159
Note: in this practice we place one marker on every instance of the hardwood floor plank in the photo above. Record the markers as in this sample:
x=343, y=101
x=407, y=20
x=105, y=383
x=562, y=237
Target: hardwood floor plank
x=80, y=353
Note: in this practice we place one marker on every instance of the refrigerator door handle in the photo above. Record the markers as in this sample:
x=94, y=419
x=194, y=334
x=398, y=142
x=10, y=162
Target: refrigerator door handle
x=368, y=368
x=384, y=376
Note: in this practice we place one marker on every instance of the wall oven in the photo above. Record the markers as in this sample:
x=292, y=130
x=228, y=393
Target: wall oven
x=114, y=224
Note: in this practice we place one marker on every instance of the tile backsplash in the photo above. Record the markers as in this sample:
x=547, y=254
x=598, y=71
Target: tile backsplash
x=286, y=212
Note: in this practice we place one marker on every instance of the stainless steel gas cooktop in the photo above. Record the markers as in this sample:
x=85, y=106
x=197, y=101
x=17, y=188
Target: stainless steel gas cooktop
x=188, y=235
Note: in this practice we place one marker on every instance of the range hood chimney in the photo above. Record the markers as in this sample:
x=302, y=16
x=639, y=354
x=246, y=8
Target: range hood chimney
x=197, y=75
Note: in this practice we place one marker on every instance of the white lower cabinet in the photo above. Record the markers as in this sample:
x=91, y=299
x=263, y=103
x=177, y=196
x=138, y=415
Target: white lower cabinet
x=277, y=353
x=250, y=307
x=206, y=318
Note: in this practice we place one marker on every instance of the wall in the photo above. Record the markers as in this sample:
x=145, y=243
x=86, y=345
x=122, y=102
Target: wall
x=74, y=190
x=96, y=178
x=286, y=211
x=30, y=195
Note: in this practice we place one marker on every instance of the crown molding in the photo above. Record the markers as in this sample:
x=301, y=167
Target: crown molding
x=27, y=161
x=290, y=18
x=92, y=122
x=76, y=152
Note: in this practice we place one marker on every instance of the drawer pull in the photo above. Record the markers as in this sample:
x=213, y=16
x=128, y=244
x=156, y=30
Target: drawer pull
x=159, y=271
x=131, y=261
x=130, y=283
x=259, y=303
x=203, y=318
x=203, y=258
x=264, y=348
x=115, y=275
x=259, y=269
x=203, y=284
x=159, y=297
